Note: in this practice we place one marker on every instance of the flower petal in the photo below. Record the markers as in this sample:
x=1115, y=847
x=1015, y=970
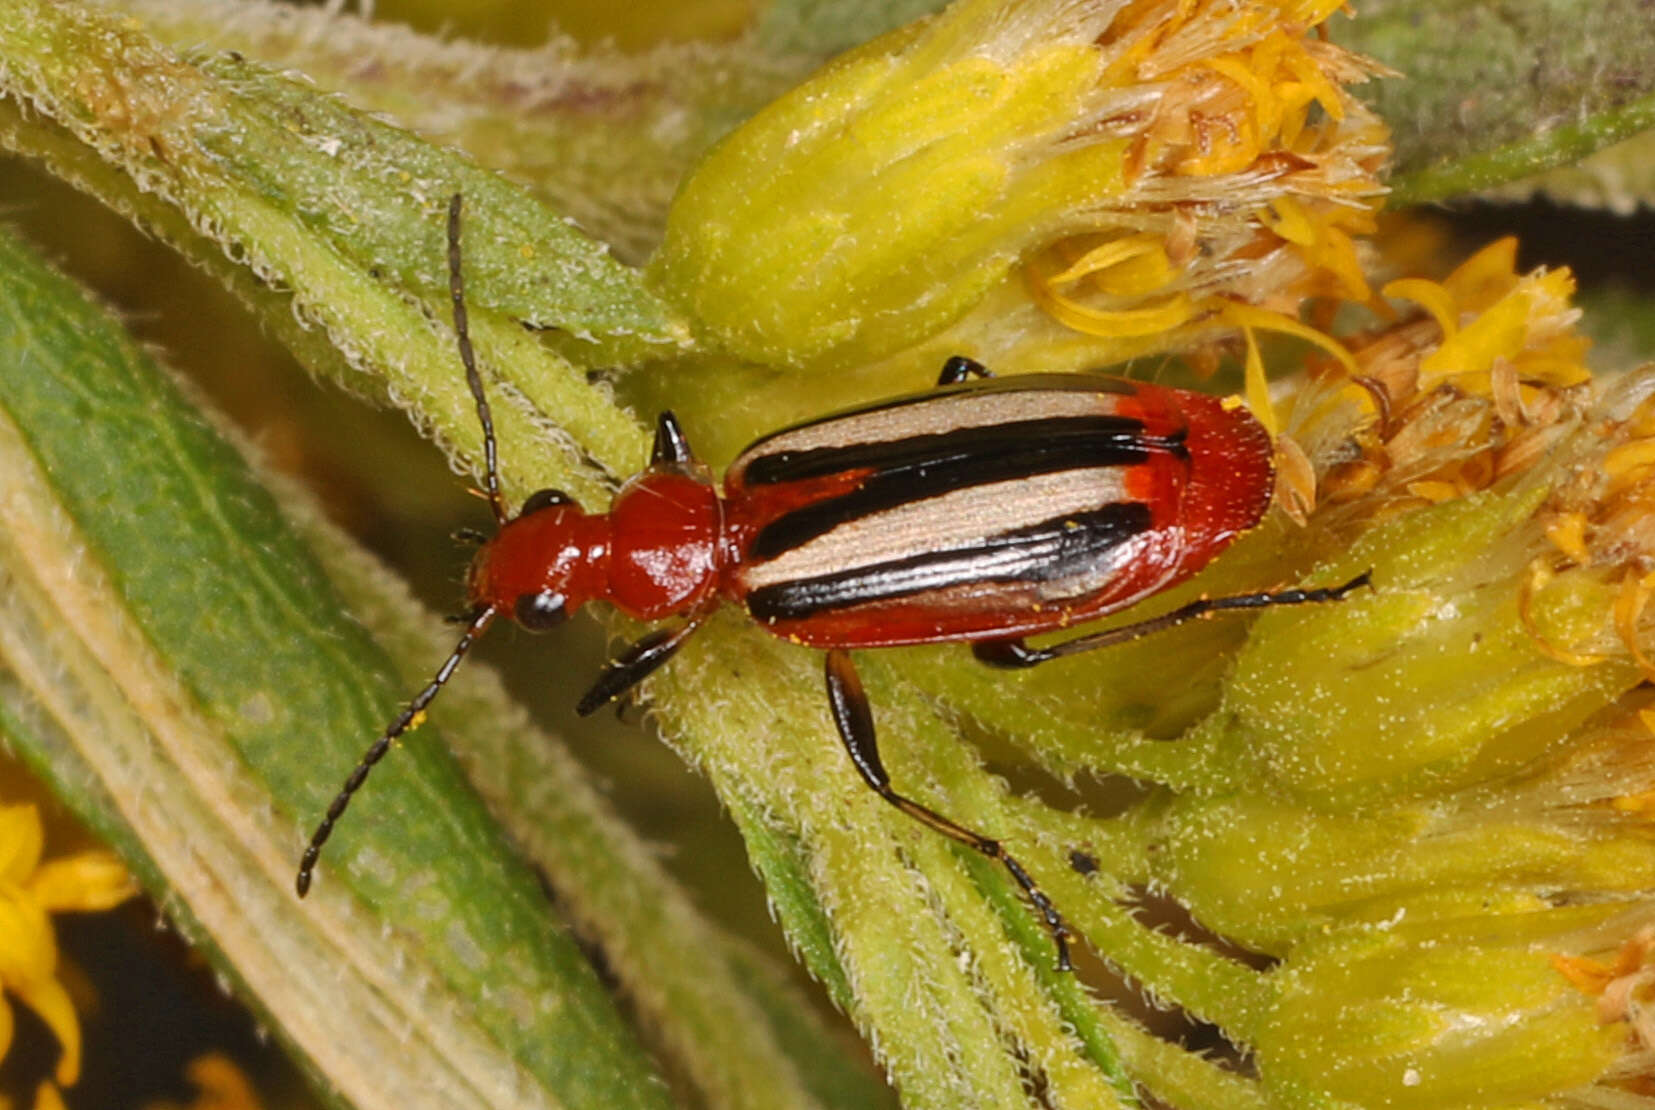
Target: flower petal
x=28, y=951
x=8, y=1025
x=84, y=882
x=48, y=999
x=223, y=1085
x=21, y=839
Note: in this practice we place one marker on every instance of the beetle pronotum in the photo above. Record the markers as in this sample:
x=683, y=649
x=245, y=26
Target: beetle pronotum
x=984, y=511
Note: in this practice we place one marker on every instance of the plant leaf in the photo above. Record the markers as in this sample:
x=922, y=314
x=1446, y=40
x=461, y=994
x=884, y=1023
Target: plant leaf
x=599, y=136
x=1495, y=92
x=179, y=659
x=328, y=221
x=822, y=28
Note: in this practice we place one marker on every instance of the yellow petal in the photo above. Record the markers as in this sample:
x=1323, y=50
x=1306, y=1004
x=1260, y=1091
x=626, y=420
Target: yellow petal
x=84, y=882
x=1434, y=298
x=1486, y=276
x=1629, y=463
x=48, y=1097
x=222, y=1084
x=1251, y=316
x=1118, y=323
x=48, y=999
x=1500, y=331
x=7, y=1025
x=1288, y=219
x=28, y=952
x=1258, y=386
x=21, y=839
x=1568, y=535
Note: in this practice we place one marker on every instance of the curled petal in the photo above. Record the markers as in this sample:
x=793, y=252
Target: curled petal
x=48, y=999
x=85, y=882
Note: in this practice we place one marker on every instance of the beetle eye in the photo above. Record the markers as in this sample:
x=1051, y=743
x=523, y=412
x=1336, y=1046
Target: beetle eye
x=538, y=612
x=544, y=499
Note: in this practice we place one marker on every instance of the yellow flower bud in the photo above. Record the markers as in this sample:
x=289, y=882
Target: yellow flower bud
x=1500, y=503
x=1081, y=174
x=1472, y=1013
x=1436, y=796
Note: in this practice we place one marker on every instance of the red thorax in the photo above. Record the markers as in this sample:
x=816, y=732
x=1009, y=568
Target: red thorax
x=654, y=554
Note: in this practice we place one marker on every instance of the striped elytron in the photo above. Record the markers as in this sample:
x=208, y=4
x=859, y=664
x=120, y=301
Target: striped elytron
x=983, y=511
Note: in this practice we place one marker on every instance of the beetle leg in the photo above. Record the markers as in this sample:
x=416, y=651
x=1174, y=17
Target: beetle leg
x=854, y=719
x=672, y=447
x=635, y=664
x=1015, y=654
x=958, y=368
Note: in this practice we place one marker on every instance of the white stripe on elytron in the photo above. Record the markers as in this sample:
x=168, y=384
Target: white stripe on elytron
x=948, y=522
x=944, y=413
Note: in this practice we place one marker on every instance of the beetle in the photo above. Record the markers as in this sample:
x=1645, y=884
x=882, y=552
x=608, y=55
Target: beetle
x=984, y=511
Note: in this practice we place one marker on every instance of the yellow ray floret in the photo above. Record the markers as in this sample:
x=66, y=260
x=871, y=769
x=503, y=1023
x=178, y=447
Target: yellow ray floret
x=30, y=891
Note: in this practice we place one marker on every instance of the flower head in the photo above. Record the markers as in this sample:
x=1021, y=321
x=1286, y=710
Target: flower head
x=1085, y=179
x=1438, y=812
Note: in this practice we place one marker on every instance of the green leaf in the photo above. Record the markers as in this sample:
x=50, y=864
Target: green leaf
x=334, y=208
x=599, y=136
x=182, y=662
x=821, y=28
x=1494, y=92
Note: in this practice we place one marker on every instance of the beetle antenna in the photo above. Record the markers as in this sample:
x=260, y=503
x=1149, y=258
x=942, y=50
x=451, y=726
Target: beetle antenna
x=406, y=720
x=462, y=329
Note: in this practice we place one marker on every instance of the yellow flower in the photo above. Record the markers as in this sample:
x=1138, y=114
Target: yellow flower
x=1042, y=183
x=30, y=891
x=1477, y=385
x=1255, y=166
x=1438, y=802
x=220, y=1083
x=1487, y=383
x=46, y=1097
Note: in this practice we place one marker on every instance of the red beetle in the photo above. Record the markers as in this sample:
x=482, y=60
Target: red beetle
x=983, y=511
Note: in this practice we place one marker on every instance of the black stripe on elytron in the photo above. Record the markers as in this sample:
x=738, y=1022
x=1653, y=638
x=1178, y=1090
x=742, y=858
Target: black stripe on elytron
x=917, y=468
x=1017, y=383
x=1065, y=546
x=1046, y=435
